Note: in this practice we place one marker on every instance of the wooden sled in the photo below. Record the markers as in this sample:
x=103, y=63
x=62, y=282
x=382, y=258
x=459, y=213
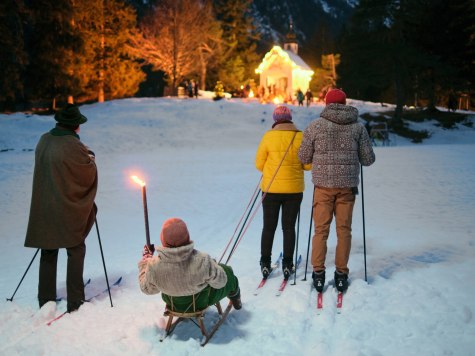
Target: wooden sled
x=198, y=319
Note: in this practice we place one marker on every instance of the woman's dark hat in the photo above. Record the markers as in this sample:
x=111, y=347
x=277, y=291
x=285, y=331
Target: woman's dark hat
x=70, y=115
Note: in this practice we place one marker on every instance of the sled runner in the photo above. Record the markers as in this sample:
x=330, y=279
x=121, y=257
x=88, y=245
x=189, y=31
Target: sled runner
x=198, y=319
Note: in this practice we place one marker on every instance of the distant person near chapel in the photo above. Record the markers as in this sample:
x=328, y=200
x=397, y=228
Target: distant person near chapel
x=188, y=279
x=308, y=97
x=300, y=97
x=336, y=144
x=62, y=208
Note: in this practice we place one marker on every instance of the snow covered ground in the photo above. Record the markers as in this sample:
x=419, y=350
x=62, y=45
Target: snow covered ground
x=197, y=157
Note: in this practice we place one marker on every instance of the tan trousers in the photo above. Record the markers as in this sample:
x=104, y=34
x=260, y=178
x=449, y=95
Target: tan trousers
x=328, y=202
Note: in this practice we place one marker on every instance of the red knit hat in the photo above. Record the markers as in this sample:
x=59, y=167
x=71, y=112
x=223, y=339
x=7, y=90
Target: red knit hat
x=335, y=96
x=174, y=233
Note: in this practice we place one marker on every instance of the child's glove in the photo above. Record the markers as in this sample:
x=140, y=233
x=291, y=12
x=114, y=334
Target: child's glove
x=148, y=251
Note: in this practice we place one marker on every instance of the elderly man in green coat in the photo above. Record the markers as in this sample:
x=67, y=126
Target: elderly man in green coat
x=62, y=208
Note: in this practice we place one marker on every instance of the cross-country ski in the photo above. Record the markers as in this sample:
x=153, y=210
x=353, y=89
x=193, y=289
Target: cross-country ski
x=274, y=267
x=115, y=284
x=284, y=282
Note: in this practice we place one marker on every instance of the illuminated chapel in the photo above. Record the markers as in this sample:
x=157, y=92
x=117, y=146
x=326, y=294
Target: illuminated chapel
x=282, y=72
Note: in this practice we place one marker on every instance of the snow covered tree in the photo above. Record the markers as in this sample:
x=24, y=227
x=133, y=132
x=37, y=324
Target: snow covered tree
x=218, y=91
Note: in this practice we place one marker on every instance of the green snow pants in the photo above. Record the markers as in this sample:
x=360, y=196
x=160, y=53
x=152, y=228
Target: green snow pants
x=207, y=297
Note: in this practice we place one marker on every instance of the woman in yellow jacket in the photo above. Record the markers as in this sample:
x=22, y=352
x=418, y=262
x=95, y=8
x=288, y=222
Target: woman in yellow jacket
x=283, y=186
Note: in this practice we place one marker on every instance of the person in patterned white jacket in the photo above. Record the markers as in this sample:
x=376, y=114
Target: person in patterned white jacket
x=336, y=144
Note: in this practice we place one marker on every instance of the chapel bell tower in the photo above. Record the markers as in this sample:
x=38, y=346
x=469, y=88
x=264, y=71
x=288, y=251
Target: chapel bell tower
x=291, y=40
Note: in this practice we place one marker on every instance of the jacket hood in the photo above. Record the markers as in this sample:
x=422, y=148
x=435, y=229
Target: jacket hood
x=340, y=114
x=176, y=254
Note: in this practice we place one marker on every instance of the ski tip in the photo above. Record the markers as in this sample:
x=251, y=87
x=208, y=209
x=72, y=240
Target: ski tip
x=57, y=318
x=119, y=280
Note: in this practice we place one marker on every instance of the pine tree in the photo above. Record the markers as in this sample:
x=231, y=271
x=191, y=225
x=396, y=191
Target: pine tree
x=107, y=68
x=51, y=43
x=240, y=40
x=377, y=58
x=13, y=57
x=444, y=31
x=360, y=53
x=395, y=50
x=326, y=76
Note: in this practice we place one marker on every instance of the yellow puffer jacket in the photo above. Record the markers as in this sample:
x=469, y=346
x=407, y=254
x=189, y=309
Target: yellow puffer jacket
x=274, y=144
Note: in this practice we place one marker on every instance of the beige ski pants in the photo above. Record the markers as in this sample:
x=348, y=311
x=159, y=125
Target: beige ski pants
x=328, y=202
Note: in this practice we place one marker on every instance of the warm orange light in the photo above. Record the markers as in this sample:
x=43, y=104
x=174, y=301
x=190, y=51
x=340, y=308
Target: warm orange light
x=251, y=94
x=138, y=181
x=276, y=100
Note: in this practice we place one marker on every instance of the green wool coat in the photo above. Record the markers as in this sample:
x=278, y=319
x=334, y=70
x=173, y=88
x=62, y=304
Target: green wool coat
x=62, y=209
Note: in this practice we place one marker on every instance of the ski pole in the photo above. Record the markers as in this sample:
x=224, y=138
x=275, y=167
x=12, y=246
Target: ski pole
x=309, y=235
x=24, y=274
x=245, y=227
x=103, y=261
x=364, y=232
x=238, y=237
x=297, y=248
x=264, y=193
x=254, y=196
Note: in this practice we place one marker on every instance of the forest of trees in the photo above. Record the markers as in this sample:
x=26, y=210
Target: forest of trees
x=407, y=52
x=95, y=50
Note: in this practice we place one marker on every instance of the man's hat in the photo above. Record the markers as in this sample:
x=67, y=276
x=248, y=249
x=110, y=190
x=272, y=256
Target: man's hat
x=70, y=115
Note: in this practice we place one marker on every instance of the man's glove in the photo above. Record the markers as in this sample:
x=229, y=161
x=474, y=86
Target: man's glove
x=148, y=251
x=91, y=154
